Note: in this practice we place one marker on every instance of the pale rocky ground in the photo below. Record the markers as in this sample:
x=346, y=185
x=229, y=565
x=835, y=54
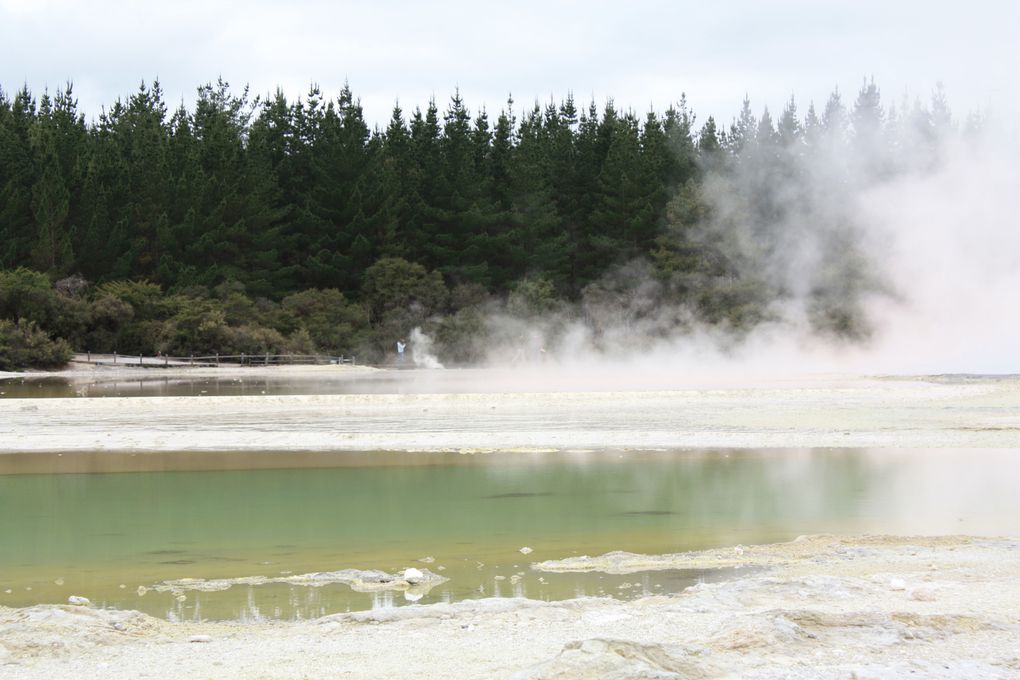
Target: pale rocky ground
x=823, y=607
x=812, y=412
x=818, y=607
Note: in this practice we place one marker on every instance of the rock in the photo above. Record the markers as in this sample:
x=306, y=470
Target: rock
x=359, y=580
x=526, y=550
x=142, y=590
x=413, y=576
x=923, y=595
x=606, y=658
x=897, y=584
x=771, y=631
x=78, y=600
x=200, y=638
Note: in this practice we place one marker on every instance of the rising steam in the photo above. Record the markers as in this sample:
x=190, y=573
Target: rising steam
x=873, y=254
x=421, y=350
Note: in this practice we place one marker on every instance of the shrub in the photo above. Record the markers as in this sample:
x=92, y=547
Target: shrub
x=462, y=337
x=200, y=327
x=251, y=339
x=394, y=283
x=333, y=324
x=146, y=299
x=531, y=297
x=25, y=345
x=25, y=294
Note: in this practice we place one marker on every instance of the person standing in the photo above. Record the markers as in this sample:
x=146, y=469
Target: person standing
x=401, y=346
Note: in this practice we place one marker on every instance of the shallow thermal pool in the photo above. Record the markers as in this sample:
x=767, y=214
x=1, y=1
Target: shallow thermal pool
x=254, y=382
x=100, y=525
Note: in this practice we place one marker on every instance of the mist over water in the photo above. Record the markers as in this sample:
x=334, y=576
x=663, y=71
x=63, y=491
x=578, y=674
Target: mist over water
x=869, y=257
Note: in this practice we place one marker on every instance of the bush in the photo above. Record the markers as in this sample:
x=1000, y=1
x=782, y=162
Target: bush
x=393, y=283
x=333, y=324
x=531, y=297
x=462, y=338
x=25, y=294
x=200, y=327
x=24, y=345
x=146, y=299
x=107, y=318
x=251, y=339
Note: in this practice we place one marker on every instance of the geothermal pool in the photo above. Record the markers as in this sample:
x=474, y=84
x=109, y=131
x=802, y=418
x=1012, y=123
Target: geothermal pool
x=67, y=529
x=114, y=484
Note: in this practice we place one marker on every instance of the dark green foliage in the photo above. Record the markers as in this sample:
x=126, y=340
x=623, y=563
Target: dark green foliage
x=462, y=338
x=25, y=294
x=531, y=297
x=393, y=283
x=24, y=345
x=255, y=225
x=333, y=324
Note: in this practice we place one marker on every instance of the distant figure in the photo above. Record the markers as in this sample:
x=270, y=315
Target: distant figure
x=401, y=346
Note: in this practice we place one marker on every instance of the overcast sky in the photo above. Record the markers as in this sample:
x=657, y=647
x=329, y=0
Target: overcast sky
x=643, y=53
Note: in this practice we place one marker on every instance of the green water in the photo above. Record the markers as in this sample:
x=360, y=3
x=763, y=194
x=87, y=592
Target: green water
x=103, y=535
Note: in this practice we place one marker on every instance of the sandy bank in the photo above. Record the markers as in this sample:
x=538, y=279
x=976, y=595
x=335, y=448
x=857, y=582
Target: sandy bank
x=849, y=413
x=871, y=607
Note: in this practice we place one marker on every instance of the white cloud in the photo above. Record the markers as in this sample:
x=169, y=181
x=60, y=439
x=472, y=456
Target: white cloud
x=643, y=53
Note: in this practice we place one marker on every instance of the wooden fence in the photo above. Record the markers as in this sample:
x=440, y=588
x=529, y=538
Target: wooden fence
x=210, y=360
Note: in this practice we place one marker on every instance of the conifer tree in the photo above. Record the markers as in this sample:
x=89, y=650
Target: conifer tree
x=17, y=175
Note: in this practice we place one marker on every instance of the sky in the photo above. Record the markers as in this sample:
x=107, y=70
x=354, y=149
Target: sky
x=642, y=53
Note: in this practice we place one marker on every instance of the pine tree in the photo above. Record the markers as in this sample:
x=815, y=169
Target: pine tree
x=678, y=126
x=868, y=124
x=51, y=251
x=58, y=143
x=506, y=255
x=17, y=176
x=236, y=210
x=789, y=129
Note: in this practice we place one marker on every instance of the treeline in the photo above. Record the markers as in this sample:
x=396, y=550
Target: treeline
x=260, y=214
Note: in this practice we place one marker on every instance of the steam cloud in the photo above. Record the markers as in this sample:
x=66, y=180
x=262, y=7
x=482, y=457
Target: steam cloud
x=874, y=259
x=421, y=350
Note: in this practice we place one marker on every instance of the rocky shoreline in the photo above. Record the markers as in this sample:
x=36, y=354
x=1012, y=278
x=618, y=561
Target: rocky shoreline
x=878, y=607
x=822, y=607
